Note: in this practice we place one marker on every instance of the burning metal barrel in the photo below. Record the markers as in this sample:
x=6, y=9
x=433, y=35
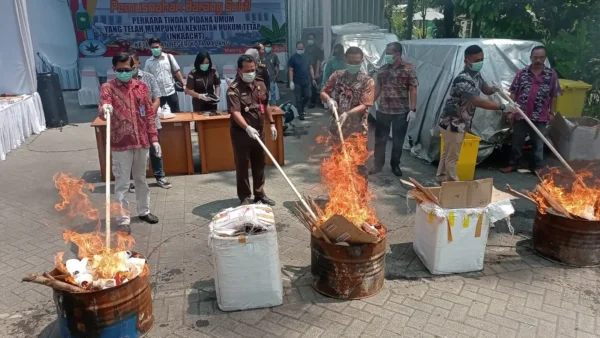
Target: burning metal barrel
x=570, y=241
x=348, y=272
x=121, y=311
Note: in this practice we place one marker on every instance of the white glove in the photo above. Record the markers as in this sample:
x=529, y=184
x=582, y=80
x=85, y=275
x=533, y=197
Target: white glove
x=273, y=132
x=331, y=103
x=204, y=97
x=157, y=149
x=292, y=85
x=512, y=108
x=107, y=109
x=253, y=133
x=411, y=116
x=343, y=118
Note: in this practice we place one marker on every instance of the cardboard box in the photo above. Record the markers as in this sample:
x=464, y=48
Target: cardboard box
x=452, y=223
x=576, y=138
x=339, y=229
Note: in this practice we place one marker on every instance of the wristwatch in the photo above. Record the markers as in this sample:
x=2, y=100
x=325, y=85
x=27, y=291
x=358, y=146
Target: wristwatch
x=271, y=122
x=502, y=107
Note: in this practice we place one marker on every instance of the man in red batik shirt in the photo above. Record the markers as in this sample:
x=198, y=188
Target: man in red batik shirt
x=132, y=129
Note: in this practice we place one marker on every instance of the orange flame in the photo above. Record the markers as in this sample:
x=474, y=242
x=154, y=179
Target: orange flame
x=349, y=195
x=106, y=262
x=580, y=195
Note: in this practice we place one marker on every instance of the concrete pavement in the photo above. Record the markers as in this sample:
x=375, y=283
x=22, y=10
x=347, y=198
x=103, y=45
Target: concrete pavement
x=518, y=294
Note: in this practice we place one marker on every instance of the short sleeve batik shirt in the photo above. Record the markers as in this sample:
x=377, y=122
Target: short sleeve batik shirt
x=534, y=93
x=458, y=111
x=349, y=92
x=395, y=83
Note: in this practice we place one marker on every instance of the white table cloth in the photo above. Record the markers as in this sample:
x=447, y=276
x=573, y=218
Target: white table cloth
x=185, y=101
x=20, y=120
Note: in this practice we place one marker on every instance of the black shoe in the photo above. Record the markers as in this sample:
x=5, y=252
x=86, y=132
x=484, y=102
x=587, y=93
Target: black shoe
x=247, y=201
x=124, y=228
x=301, y=117
x=397, y=171
x=131, y=188
x=265, y=200
x=151, y=219
x=163, y=183
x=375, y=170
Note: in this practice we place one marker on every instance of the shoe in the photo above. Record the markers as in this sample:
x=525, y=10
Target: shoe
x=247, y=201
x=131, y=188
x=124, y=228
x=163, y=183
x=397, y=171
x=301, y=117
x=375, y=170
x=508, y=169
x=151, y=219
x=265, y=200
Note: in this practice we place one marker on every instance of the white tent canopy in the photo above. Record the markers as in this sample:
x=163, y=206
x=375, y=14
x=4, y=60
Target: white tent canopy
x=430, y=15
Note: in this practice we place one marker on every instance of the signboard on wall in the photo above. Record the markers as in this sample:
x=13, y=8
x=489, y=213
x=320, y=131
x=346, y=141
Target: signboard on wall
x=185, y=27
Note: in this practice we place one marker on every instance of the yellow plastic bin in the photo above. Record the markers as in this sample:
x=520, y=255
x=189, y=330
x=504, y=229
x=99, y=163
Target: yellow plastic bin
x=572, y=100
x=467, y=160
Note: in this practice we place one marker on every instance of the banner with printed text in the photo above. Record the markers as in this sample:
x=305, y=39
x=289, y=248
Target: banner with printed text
x=185, y=27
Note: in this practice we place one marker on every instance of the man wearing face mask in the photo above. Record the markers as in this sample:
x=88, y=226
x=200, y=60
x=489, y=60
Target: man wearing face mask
x=352, y=92
x=166, y=70
x=247, y=102
x=535, y=89
x=315, y=55
x=262, y=74
x=150, y=81
x=396, y=88
x=336, y=62
x=301, y=76
x=272, y=62
x=458, y=112
x=133, y=132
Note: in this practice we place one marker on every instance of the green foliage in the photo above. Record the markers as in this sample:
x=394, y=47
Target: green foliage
x=276, y=34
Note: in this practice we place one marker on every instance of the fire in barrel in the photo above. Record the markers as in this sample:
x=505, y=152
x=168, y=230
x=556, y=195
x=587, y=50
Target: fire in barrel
x=348, y=242
x=105, y=292
x=567, y=222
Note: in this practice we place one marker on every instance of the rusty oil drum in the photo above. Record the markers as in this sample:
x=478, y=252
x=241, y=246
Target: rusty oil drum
x=570, y=241
x=347, y=272
x=122, y=311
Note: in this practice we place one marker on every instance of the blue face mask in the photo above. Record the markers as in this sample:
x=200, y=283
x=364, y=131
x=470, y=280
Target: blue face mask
x=300, y=51
x=124, y=76
x=352, y=69
x=204, y=67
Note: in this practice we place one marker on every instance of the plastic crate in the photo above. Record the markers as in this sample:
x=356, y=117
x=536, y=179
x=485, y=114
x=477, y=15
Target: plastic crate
x=467, y=160
x=572, y=100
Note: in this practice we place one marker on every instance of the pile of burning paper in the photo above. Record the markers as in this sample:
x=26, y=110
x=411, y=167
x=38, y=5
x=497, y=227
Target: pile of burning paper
x=348, y=216
x=98, y=266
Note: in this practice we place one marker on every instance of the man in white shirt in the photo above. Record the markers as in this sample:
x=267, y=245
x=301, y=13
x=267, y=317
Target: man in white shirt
x=165, y=69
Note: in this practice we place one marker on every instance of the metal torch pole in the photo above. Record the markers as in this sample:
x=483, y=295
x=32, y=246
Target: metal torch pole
x=107, y=172
x=505, y=96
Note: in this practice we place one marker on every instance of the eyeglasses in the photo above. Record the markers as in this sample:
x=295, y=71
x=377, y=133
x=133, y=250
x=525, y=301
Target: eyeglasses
x=123, y=70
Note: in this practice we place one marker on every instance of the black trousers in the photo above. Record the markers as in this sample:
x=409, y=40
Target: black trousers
x=247, y=150
x=398, y=124
x=173, y=102
x=520, y=131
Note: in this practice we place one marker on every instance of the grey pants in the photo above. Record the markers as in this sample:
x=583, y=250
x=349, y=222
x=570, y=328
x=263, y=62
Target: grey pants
x=132, y=162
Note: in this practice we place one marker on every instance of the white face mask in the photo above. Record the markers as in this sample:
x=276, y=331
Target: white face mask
x=248, y=77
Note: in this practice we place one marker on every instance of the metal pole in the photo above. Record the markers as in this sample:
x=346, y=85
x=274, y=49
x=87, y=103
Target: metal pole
x=326, y=12
x=107, y=172
x=505, y=96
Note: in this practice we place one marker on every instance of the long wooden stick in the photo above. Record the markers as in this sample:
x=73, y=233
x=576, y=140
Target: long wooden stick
x=304, y=204
x=339, y=126
x=555, y=205
x=107, y=170
x=518, y=194
x=53, y=283
x=505, y=96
